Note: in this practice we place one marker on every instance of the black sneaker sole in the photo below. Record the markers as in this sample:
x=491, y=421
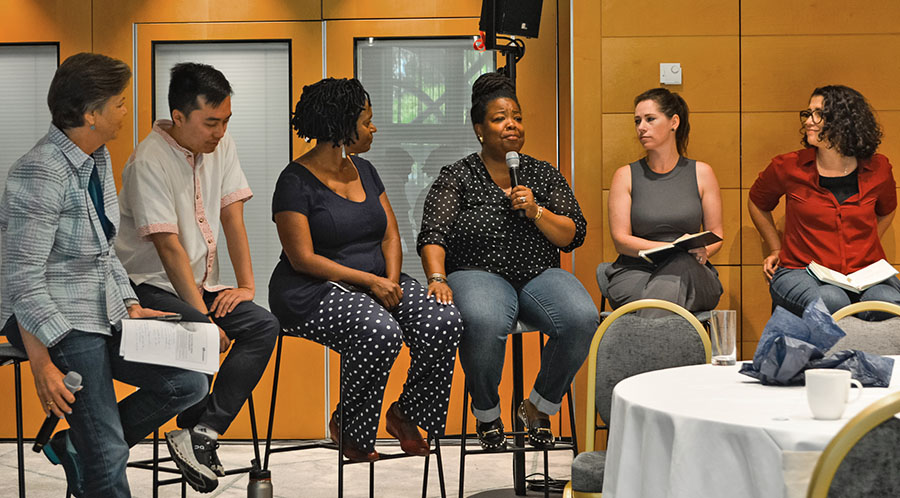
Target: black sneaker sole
x=196, y=480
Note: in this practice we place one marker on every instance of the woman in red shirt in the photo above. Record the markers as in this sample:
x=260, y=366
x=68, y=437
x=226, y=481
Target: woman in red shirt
x=840, y=198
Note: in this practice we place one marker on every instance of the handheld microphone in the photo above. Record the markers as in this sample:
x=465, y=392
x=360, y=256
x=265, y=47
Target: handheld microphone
x=512, y=161
x=72, y=380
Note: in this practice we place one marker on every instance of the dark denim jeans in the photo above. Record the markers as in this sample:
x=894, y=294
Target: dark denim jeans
x=254, y=332
x=102, y=431
x=793, y=289
x=554, y=302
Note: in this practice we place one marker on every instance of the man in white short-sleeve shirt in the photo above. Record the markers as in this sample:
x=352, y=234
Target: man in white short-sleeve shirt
x=182, y=183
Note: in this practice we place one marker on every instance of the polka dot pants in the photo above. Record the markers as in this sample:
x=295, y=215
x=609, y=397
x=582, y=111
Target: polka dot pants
x=369, y=337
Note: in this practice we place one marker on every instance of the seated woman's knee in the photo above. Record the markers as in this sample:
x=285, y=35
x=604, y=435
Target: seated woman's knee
x=834, y=297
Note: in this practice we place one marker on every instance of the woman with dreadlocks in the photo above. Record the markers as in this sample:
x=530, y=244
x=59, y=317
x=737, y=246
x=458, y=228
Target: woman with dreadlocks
x=498, y=265
x=338, y=281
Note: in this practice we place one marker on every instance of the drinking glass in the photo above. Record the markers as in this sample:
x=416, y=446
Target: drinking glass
x=723, y=332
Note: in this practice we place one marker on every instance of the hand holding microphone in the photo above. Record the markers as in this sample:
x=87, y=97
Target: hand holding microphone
x=518, y=200
x=72, y=381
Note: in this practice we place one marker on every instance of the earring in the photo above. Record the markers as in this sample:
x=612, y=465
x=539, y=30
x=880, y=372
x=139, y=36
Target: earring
x=343, y=152
x=673, y=130
x=93, y=127
x=480, y=139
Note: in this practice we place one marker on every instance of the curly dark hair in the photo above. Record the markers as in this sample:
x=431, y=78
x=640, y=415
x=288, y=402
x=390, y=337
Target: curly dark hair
x=849, y=122
x=670, y=104
x=487, y=88
x=328, y=110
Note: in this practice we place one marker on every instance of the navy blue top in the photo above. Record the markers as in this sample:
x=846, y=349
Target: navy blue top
x=346, y=232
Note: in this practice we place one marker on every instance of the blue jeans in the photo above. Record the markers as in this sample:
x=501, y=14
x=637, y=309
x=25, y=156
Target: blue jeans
x=554, y=302
x=793, y=289
x=102, y=431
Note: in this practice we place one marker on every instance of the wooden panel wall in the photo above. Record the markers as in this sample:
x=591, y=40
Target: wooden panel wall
x=748, y=68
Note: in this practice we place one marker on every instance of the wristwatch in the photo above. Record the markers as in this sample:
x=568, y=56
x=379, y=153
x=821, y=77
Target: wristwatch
x=437, y=277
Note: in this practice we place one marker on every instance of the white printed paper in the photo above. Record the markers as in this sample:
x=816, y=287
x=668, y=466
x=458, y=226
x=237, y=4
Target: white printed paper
x=188, y=345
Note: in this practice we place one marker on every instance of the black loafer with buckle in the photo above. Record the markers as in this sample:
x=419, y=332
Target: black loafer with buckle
x=538, y=426
x=490, y=435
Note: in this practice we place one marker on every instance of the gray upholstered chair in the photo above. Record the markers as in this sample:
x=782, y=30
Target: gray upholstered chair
x=625, y=345
x=863, y=459
x=881, y=337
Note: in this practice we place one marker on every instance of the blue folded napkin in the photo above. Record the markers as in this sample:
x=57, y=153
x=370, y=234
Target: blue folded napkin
x=790, y=345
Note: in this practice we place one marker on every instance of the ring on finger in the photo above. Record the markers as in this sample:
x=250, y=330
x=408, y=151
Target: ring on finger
x=50, y=403
x=522, y=199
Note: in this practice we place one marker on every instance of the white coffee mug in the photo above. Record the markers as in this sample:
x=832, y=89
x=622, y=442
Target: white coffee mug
x=828, y=392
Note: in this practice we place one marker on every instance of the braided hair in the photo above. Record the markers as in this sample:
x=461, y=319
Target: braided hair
x=670, y=104
x=487, y=88
x=328, y=110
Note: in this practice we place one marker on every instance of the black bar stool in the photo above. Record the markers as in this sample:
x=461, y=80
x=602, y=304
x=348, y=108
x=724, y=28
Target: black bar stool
x=153, y=464
x=518, y=448
x=304, y=445
x=10, y=355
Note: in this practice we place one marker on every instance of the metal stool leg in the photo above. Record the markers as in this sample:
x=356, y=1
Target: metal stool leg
x=371, y=479
x=440, y=466
x=571, y=403
x=425, y=474
x=546, y=475
x=340, y=436
x=462, y=443
x=265, y=465
x=156, y=463
x=518, y=427
x=253, y=432
x=20, y=445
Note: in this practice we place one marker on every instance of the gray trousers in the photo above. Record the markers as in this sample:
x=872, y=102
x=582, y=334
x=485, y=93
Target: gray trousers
x=679, y=279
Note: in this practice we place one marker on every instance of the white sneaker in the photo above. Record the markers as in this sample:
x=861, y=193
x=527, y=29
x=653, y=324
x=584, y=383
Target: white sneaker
x=181, y=447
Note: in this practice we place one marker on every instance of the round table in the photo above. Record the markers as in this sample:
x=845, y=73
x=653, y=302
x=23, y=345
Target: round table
x=708, y=431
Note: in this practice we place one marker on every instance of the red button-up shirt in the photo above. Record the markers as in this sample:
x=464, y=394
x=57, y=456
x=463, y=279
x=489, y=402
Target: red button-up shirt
x=843, y=237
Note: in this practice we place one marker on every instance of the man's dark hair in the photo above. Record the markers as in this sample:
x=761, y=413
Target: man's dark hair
x=83, y=83
x=190, y=80
x=328, y=110
x=849, y=123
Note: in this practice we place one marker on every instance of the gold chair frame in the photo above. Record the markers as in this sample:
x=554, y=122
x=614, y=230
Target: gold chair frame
x=852, y=309
x=831, y=458
x=591, y=404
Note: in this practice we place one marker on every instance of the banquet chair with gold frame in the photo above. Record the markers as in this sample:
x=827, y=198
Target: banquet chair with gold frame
x=626, y=345
x=863, y=459
x=881, y=337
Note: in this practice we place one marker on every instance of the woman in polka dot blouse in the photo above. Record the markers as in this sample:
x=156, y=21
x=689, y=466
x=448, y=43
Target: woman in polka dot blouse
x=338, y=281
x=498, y=265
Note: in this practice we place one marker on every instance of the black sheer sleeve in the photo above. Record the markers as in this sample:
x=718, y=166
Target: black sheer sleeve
x=441, y=208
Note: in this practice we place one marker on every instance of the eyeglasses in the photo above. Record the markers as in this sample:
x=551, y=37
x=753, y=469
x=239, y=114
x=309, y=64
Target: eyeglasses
x=816, y=115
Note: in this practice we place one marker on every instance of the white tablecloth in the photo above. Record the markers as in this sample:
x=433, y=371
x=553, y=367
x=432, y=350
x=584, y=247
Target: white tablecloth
x=708, y=431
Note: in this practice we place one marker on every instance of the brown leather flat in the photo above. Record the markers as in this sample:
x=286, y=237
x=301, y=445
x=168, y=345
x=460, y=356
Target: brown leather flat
x=351, y=451
x=397, y=425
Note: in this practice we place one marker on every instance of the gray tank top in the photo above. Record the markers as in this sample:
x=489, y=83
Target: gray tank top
x=665, y=206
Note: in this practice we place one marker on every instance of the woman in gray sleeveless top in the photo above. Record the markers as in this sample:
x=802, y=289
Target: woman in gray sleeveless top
x=657, y=199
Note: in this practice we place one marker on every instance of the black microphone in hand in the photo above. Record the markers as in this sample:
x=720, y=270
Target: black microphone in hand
x=512, y=162
x=72, y=380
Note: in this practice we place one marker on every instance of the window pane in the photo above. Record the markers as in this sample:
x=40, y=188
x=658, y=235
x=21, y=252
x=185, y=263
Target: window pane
x=25, y=75
x=421, y=92
x=259, y=75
